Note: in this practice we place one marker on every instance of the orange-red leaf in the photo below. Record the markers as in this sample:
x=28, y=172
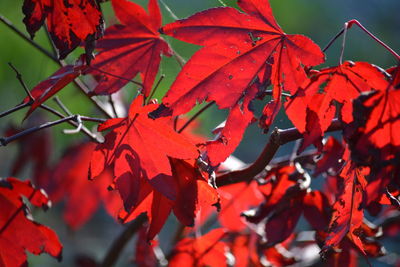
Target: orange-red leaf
x=312, y=108
x=237, y=48
x=70, y=22
x=18, y=232
x=52, y=85
x=129, y=48
x=348, y=212
x=207, y=250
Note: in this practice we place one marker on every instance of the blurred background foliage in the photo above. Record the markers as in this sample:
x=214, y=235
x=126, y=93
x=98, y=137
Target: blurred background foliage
x=319, y=20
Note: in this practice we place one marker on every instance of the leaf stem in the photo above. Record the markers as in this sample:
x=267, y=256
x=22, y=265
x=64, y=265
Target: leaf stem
x=170, y=12
x=277, y=138
x=333, y=40
x=198, y=113
x=155, y=88
x=356, y=22
x=119, y=243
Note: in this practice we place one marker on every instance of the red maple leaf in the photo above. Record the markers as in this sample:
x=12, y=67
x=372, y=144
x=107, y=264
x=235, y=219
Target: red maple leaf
x=375, y=138
x=238, y=48
x=53, y=84
x=145, y=157
x=347, y=217
x=229, y=137
x=69, y=180
x=207, y=250
x=70, y=22
x=311, y=108
x=193, y=194
x=236, y=199
x=138, y=146
x=129, y=48
x=18, y=232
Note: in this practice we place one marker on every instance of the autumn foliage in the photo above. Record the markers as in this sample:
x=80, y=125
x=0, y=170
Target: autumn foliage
x=151, y=163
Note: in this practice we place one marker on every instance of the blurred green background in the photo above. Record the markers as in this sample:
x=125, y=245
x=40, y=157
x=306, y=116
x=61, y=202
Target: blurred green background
x=319, y=20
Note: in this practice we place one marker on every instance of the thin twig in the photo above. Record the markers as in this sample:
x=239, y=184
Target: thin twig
x=277, y=138
x=155, y=88
x=356, y=22
x=112, y=104
x=222, y=3
x=346, y=26
x=14, y=109
x=62, y=106
x=73, y=123
x=333, y=40
x=171, y=13
x=119, y=243
x=26, y=38
x=117, y=76
x=198, y=113
x=19, y=77
x=6, y=140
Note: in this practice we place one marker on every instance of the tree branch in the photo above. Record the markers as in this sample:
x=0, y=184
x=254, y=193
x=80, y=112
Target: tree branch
x=277, y=138
x=6, y=140
x=119, y=243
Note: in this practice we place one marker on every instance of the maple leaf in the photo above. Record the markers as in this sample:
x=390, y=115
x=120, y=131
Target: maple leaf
x=331, y=158
x=374, y=138
x=237, y=49
x=138, y=146
x=141, y=152
x=235, y=199
x=129, y=48
x=311, y=108
x=229, y=137
x=18, y=232
x=69, y=180
x=193, y=194
x=53, y=84
x=70, y=22
x=348, y=213
x=244, y=248
x=207, y=250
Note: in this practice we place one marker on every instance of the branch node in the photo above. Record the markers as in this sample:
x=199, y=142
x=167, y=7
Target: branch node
x=78, y=120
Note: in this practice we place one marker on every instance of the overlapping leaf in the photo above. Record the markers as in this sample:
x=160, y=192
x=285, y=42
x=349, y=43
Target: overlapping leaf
x=129, y=48
x=70, y=22
x=237, y=49
x=376, y=138
x=69, y=180
x=19, y=233
x=52, y=85
x=348, y=213
x=311, y=109
x=229, y=137
x=207, y=250
x=145, y=156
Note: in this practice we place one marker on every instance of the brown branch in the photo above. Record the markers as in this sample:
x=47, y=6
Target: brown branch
x=277, y=138
x=119, y=243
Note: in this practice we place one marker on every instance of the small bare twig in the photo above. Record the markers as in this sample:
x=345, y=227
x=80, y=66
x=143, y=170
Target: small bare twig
x=119, y=243
x=155, y=88
x=26, y=38
x=6, y=140
x=198, y=113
